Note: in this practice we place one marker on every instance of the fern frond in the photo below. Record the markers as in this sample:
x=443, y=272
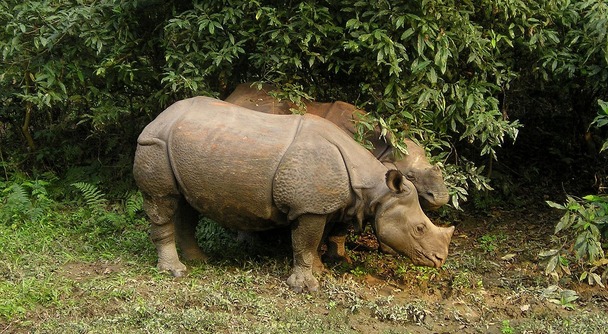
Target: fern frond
x=17, y=206
x=35, y=214
x=134, y=204
x=94, y=198
x=18, y=196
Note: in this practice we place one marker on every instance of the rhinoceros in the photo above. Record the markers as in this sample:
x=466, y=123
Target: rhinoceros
x=427, y=178
x=253, y=171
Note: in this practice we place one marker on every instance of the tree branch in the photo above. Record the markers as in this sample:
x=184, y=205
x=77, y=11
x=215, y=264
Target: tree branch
x=25, y=129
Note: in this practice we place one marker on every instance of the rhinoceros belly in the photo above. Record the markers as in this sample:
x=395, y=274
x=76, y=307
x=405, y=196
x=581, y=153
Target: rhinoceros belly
x=225, y=158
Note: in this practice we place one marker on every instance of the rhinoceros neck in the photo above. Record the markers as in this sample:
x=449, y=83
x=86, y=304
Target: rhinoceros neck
x=367, y=180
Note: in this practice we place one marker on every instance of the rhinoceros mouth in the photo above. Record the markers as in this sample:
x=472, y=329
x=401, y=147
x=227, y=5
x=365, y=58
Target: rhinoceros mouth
x=419, y=257
x=431, y=260
x=430, y=202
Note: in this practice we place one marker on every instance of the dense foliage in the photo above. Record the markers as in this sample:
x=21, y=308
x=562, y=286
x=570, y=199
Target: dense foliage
x=80, y=79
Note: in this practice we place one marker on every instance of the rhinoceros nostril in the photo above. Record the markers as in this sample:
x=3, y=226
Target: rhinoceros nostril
x=439, y=259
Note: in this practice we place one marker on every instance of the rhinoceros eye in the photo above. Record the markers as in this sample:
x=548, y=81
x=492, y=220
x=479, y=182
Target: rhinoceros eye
x=410, y=176
x=420, y=229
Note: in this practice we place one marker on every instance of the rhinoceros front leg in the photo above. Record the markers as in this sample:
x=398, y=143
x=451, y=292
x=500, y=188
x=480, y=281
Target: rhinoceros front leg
x=162, y=212
x=306, y=235
x=336, y=249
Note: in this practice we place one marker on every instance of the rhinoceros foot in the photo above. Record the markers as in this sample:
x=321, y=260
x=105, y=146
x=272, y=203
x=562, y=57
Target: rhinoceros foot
x=176, y=269
x=336, y=259
x=302, y=280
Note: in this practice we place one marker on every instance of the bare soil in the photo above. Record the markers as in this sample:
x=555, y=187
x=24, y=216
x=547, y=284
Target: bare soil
x=494, y=281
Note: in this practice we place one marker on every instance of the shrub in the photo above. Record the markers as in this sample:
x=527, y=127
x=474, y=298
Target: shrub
x=79, y=80
x=23, y=201
x=587, y=220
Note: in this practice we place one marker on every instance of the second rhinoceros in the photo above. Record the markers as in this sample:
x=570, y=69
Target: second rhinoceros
x=427, y=178
x=253, y=171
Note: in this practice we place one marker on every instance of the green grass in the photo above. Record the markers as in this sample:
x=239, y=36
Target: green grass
x=64, y=274
x=74, y=270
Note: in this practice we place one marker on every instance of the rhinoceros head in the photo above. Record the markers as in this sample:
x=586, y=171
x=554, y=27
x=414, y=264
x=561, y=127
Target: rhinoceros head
x=429, y=184
x=402, y=227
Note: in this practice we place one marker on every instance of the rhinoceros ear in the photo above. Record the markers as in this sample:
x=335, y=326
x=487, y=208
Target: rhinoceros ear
x=394, y=181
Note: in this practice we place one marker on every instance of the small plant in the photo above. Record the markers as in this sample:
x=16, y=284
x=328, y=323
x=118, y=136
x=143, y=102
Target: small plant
x=134, y=204
x=587, y=220
x=422, y=273
x=214, y=238
x=506, y=327
x=489, y=242
x=559, y=296
x=358, y=271
x=24, y=201
x=466, y=280
x=385, y=309
x=100, y=215
x=93, y=197
x=558, y=264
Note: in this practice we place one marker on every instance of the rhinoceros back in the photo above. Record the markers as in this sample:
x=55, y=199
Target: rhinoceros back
x=225, y=157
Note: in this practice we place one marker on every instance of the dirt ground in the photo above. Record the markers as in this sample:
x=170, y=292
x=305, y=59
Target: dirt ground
x=494, y=281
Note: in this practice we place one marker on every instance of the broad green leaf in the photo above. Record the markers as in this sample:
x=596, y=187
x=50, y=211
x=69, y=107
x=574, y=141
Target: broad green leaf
x=563, y=223
x=551, y=265
x=406, y=34
x=595, y=198
x=548, y=253
x=432, y=75
x=352, y=23
x=604, y=146
x=555, y=205
x=469, y=103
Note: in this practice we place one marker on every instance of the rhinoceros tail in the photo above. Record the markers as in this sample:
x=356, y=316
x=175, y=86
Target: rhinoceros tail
x=152, y=170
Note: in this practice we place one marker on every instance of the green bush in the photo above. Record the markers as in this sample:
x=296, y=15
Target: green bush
x=78, y=81
x=602, y=120
x=101, y=217
x=23, y=201
x=587, y=220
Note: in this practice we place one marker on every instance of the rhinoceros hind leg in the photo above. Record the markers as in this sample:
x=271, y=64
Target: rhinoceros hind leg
x=306, y=234
x=186, y=220
x=162, y=212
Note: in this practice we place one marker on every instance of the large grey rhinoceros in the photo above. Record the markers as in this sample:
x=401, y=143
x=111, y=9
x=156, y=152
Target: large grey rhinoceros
x=253, y=171
x=427, y=178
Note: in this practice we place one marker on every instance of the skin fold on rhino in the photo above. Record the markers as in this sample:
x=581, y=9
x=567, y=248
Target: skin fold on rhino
x=252, y=171
x=427, y=179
